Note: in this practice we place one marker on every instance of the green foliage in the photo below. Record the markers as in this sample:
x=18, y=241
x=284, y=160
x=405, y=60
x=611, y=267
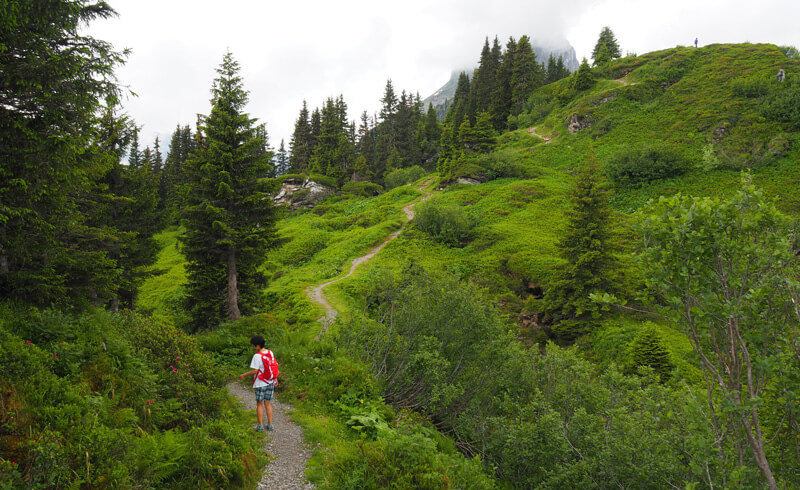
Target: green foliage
x=447, y=224
x=324, y=180
x=403, y=176
x=229, y=218
x=606, y=48
x=648, y=350
x=721, y=266
x=631, y=167
x=784, y=103
x=583, y=78
x=751, y=87
x=57, y=88
x=363, y=189
x=588, y=247
x=92, y=400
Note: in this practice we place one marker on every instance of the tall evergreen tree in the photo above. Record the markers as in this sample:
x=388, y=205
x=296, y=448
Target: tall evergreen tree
x=53, y=84
x=588, y=248
x=302, y=143
x=502, y=96
x=431, y=134
x=229, y=217
x=281, y=160
x=526, y=75
x=134, y=154
x=606, y=48
x=483, y=81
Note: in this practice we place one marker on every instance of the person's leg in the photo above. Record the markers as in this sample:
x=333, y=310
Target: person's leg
x=260, y=413
x=268, y=407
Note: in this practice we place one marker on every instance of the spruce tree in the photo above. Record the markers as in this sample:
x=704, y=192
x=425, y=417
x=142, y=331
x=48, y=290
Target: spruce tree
x=483, y=81
x=609, y=42
x=281, y=160
x=590, y=264
x=302, y=143
x=648, y=350
x=134, y=155
x=501, y=99
x=55, y=82
x=583, y=78
x=229, y=217
x=526, y=75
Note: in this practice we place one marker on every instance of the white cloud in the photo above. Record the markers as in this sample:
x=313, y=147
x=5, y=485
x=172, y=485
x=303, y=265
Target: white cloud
x=295, y=50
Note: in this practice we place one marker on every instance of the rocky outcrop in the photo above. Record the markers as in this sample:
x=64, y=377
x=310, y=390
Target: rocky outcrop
x=577, y=123
x=297, y=193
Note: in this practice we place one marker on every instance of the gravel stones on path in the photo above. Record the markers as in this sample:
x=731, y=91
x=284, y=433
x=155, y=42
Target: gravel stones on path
x=284, y=446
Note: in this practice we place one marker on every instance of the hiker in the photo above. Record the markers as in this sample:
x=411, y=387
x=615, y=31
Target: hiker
x=781, y=76
x=263, y=366
x=695, y=42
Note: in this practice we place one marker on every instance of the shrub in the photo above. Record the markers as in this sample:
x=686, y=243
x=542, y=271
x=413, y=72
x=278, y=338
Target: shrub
x=403, y=176
x=365, y=189
x=447, y=224
x=633, y=167
x=324, y=180
x=751, y=87
x=784, y=103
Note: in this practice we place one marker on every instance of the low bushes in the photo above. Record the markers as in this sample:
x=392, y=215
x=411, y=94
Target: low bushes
x=101, y=399
x=403, y=176
x=633, y=167
x=447, y=224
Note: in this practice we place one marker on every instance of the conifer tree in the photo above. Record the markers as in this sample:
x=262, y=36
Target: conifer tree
x=302, y=143
x=229, y=217
x=606, y=47
x=591, y=267
x=526, y=75
x=134, y=155
x=483, y=81
x=281, y=160
x=460, y=105
x=501, y=99
x=431, y=134
x=648, y=350
x=583, y=78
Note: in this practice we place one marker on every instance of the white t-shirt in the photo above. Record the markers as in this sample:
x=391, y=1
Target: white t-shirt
x=257, y=364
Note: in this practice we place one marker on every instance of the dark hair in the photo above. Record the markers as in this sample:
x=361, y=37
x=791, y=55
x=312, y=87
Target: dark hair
x=258, y=340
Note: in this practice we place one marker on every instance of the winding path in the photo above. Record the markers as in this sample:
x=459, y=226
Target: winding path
x=287, y=452
x=544, y=138
x=317, y=296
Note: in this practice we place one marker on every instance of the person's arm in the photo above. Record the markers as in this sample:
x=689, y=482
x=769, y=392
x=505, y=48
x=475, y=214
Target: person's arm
x=248, y=373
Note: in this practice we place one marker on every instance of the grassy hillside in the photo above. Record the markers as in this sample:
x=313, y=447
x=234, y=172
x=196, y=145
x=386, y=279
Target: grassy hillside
x=707, y=105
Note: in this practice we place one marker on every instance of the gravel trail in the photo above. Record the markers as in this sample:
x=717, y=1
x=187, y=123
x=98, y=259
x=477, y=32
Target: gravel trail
x=284, y=446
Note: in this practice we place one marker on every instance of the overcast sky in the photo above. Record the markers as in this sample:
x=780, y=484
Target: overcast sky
x=292, y=50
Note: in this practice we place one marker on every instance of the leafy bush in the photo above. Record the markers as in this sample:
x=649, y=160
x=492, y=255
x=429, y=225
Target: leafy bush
x=324, y=180
x=633, y=167
x=446, y=223
x=365, y=189
x=784, y=103
x=97, y=400
x=751, y=87
x=403, y=176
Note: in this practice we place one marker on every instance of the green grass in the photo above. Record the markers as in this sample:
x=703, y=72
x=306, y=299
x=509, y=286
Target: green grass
x=161, y=293
x=681, y=97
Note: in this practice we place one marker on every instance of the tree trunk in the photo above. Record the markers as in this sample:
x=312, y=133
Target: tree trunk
x=3, y=265
x=232, y=300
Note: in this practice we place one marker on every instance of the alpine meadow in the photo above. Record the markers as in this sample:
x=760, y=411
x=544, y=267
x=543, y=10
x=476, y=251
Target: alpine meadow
x=552, y=274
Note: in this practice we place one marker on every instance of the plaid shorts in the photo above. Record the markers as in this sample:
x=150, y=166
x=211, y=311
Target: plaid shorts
x=264, y=393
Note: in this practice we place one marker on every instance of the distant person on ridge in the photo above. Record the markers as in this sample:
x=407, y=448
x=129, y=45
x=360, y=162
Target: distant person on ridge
x=695, y=42
x=265, y=370
x=781, y=76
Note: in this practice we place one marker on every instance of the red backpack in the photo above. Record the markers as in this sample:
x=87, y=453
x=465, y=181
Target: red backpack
x=270, y=371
